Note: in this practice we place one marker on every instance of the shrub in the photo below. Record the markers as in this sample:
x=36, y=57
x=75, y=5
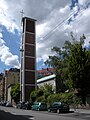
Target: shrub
x=63, y=97
x=41, y=99
x=35, y=94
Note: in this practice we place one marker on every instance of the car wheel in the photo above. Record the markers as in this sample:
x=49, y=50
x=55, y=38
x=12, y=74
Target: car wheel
x=58, y=111
x=49, y=110
x=38, y=109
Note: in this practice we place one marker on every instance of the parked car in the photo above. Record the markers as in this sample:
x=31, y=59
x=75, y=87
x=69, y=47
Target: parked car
x=8, y=104
x=59, y=107
x=27, y=105
x=39, y=106
x=20, y=105
x=4, y=103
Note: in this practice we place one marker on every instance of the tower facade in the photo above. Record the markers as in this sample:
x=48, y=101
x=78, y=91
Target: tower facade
x=28, y=58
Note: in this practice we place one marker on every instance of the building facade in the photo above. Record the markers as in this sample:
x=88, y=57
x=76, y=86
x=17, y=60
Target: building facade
x=51, y=79
x=10, y=77
x=28, y=59
x=2, y=89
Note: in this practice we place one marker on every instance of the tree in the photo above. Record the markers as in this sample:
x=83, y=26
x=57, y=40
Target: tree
x=15, y=92
x=41, y=93
x=59, y=63
x=47, y=90
x=72, y=67
x=35, y=94
x=79, y=68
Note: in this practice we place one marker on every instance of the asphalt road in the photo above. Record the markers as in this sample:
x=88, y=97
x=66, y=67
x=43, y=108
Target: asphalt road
x=8, y=116
x=19, y=114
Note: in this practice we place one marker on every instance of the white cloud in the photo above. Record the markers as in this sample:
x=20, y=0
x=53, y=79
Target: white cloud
x=78, y=26
x=6, y=19
x=41, y=29
x=63, y=10
x=39, y=59
x=12, y=61
x=51, y=28
x=1, y=35
x=6, y=56
x=82, y=1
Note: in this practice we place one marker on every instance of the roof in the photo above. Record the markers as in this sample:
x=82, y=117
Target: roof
x=45, y=71
x=46, y=78
x=28, y=18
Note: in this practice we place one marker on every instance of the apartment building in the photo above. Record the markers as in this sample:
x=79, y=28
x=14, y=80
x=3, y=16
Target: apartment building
x=10, y=77
x=1, y=87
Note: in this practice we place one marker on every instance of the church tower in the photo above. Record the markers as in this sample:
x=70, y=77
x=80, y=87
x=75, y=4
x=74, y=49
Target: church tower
x=28, y=58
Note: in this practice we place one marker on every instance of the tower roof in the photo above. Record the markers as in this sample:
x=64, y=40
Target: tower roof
x=28, y=19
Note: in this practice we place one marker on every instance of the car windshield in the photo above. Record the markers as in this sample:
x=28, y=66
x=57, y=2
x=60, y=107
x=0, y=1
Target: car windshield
x=43, y=104
x=36, y=103
x=39, y=103
x=56, y=103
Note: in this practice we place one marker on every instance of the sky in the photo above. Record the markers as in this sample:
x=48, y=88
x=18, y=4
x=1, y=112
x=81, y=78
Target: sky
x=55, y=20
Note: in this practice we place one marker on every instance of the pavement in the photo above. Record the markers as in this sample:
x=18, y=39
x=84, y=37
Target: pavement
x=83, y=111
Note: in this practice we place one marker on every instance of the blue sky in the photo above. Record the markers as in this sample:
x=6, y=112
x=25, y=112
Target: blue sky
x=55, y=20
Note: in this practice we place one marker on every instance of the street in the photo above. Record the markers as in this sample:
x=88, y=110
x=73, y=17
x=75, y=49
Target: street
x=7, y=113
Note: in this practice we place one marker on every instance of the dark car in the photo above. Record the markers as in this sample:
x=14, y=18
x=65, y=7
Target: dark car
x=59, y=107
x=39, y=106
x=9, y=104
x=20, y=105
x=27, y=105
x=4, y=103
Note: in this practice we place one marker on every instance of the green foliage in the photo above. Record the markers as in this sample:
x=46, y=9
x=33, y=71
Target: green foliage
x=41, y=99
x=79, y=67
x=63, y=97
x=76, y=101
x=15, y=92
x=59, y=63
x=41, y=93
x=47, y=88
x=69, y=98
x=35, y=94
x=53, y=98
x=72, y=67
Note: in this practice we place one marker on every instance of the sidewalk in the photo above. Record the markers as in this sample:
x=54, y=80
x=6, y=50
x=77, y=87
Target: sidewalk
x=83, y=111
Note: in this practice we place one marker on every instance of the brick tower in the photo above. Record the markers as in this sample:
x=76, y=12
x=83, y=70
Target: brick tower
x=28, y=58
